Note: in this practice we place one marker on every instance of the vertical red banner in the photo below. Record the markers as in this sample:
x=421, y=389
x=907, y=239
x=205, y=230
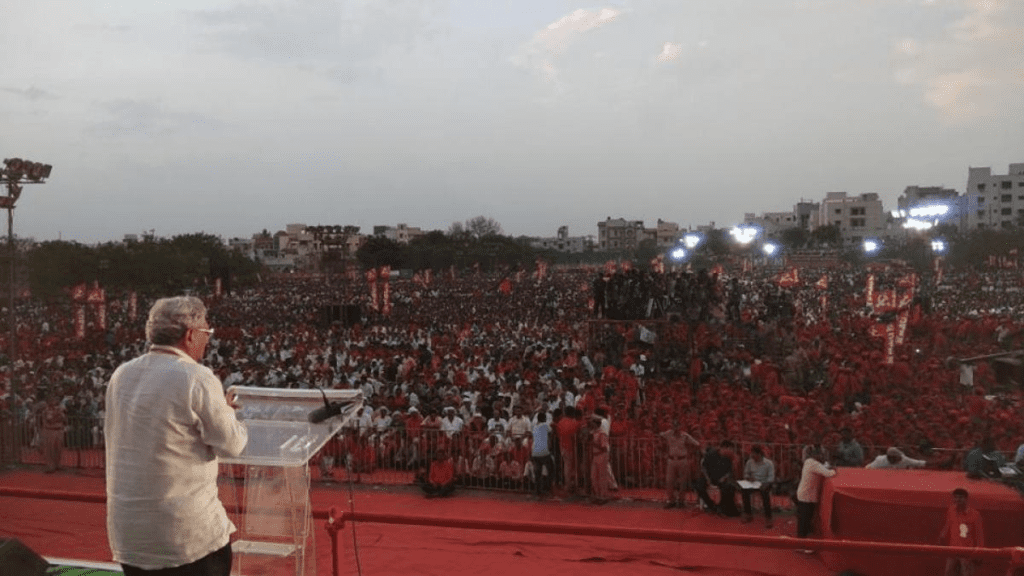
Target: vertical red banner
x=79, y=321
x=217, y=287
x=890, y=343
x=371, y=279
x=385, y=276
x=133, y=305
x=101, y=316
x=869, y=291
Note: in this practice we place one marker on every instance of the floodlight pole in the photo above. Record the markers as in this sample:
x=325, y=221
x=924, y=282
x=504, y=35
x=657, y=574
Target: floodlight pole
x=15, y=173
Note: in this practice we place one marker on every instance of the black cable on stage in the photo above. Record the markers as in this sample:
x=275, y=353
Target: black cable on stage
x=352, y=508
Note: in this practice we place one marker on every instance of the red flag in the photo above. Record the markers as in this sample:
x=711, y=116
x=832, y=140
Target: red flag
x=78, y=292
x=96, y=296
x=505, y=287
x=626, y=265
x=217, y=287
x=822, y=283
x=890, y=343
x=428, y=276
x=718, y=269
x=610, y=267
x=869, y=290
x=788, y=278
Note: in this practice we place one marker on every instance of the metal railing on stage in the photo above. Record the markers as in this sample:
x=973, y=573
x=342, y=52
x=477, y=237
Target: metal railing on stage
x=394, y=456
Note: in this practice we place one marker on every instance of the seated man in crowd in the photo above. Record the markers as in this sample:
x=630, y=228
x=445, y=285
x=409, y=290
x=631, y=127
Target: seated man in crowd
x=895, y=459
x=440, y=480
x=718, y=470
x=849, y=452
x=760, y=472
x=984, y=461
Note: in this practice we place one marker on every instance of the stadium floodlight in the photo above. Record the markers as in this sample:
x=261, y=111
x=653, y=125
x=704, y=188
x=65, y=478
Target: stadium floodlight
x=916, y=224
x=678, y=254
x=769, y=249
x=931, y=211
x=871, y=246
x=938, y=246
x=692, y=240
x=744, y=234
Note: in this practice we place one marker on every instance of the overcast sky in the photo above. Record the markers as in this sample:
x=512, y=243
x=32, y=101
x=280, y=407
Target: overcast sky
x=230, y=117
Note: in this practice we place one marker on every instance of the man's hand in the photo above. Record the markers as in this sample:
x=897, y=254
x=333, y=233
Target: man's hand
x=231, y=398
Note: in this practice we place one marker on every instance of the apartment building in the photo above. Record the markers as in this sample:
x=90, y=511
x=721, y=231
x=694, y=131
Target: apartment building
x=994, y=200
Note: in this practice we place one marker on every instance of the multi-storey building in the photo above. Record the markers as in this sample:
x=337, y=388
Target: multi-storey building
x=620, y=234
x=921, y=207
x=857, y=217
x=771, y=222
x=563, y=242
x=994, y=200
x=666, y=234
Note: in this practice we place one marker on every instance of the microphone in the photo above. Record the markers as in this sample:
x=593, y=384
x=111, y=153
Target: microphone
x=329, y=410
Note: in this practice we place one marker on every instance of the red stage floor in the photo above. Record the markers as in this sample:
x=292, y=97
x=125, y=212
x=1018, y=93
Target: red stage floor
x=72, y=529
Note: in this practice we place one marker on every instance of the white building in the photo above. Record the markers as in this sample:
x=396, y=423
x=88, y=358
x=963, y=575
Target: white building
x=994, y=200
x=400, y=234
x=857, y=217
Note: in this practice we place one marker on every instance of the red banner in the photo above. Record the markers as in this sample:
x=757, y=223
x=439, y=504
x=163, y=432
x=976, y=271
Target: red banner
x=79, y=321
x=217, y=287
x=385, y=276
x=101, y=316
x=133, y=305
x=371, y=279
x=869, y=291
x=890, y=343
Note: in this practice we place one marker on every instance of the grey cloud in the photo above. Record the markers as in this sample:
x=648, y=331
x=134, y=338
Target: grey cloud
x=342, y=35
x=130, y=118
x=32, y=93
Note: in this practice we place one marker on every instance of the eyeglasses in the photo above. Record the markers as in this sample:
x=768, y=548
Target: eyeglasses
x=207, y=330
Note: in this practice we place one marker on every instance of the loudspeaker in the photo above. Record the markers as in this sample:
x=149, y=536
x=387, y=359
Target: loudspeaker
x=353, y=315
x=16, y=559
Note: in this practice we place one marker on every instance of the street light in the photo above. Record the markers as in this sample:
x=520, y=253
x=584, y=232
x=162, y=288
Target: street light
x=15, y=173
x=871, y=246
x=769, y=249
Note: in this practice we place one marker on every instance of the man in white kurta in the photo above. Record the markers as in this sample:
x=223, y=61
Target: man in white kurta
x=167, y=420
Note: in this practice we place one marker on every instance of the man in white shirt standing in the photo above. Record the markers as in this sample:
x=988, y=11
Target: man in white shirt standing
x=167, y=420
x=808, y=492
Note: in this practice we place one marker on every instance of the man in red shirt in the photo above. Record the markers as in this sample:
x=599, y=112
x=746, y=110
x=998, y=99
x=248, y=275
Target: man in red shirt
x=440, y=481
x=963, y=528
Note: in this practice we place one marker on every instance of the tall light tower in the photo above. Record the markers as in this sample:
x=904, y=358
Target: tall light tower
x=15, y=173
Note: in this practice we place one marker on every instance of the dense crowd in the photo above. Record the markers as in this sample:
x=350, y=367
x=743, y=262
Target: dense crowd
x=469, y=366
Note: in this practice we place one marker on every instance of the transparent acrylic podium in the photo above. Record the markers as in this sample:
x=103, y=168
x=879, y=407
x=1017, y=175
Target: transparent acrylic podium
x=266, y=488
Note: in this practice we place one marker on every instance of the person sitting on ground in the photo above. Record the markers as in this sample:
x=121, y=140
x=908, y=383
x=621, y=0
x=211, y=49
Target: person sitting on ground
x=440, y=481
x=895, y=459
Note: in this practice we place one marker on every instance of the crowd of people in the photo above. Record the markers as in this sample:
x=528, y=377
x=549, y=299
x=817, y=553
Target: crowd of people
x=552, y=384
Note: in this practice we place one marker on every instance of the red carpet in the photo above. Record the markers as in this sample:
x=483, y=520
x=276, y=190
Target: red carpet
x=70, y=529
